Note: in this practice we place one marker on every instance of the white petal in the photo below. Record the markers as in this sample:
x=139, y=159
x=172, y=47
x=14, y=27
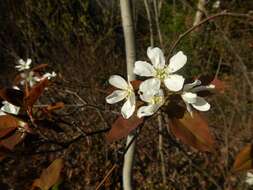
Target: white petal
x=28, y=62
x=189, y=97
x=201, y=104
x=174, y=82
x=177, y=62
x=21, y=62
x=128, y=107
x=143, y=68
x=191, y=85
x=189, y=108
x=147, y=110
x=156, y=56
x=118, y=82
x=116, y=96
x=149, y=88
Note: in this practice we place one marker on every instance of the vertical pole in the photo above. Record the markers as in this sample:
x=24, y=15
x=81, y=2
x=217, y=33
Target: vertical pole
x=128, y=27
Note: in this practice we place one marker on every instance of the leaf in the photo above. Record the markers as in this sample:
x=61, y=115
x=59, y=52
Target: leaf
x=122, y=127
x=55, y=106
x=13, y=96
x=39, y=67
x=193, y=131
x=136, y=84
x=244, y=160
x=13, y=140
x=35, y=93
x=219, y=85
x=7, y=125
x=50, y=176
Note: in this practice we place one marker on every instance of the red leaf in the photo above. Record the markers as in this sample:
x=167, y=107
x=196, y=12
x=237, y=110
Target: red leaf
x=55, y=106
x=7, y=125
x=219, y=85
x=35, y=92
x=39, y=67
x=136, y=84
x=244, y=160
x=13, y=140
x=193, y=131
x=122, y=127
x=13, y=96
x=49, y=176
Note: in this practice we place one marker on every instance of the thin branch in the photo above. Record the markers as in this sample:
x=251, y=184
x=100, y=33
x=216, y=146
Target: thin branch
x=106, y=176
x=224, y=13
x=150, y=22
x=160, y=147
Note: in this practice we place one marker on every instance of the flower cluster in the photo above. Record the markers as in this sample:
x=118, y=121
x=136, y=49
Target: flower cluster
x=28, y=75
x=162, y=81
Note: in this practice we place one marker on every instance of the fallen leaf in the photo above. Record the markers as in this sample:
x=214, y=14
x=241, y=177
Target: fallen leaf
x=55, y=106
x=244, y=160
x=50, y=176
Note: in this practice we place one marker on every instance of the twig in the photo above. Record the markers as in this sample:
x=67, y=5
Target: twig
x=150, y=22
x=160, y=147
x=157, y=24
x=224, y=13
x=189, y=157
x=106, y=176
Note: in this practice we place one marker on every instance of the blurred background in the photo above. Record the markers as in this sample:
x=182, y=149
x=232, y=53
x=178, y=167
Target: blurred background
x=82, y=40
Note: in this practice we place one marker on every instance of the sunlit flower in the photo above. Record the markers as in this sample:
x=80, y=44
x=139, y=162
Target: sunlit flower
x=30, y=78
x=216, y=4
x=249, y=178
x=160, y=71
x=23, y=65
x=49, y=75
x=126, y=92
x=151, y=93
x=190, y=97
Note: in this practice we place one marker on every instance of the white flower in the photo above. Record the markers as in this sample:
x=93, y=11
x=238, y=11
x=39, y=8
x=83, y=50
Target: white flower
x=151, y=93
x=22, y=65
x=30, y=78
x=49, y=75
x=190, y=97
x=126, y=92
x=9, y=108
x=216, y=5
x=160, y=71
x=249, y=178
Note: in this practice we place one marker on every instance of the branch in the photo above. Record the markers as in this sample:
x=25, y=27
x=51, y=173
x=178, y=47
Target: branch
x=224, y=13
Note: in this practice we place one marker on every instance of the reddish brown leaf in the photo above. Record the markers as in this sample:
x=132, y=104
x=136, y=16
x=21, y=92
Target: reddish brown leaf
x=219, y=85
x=13, y=96
x=122, y=127
x=136, y=84
x=244, y=160
x=13, y=140
x=55, y=106
x=39, y=67
x=49, y=176
x=7, y=125
x=193, y=131
x=35, y=92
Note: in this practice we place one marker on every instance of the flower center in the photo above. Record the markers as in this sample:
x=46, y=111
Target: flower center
x=161, y=74
x=157, y=100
